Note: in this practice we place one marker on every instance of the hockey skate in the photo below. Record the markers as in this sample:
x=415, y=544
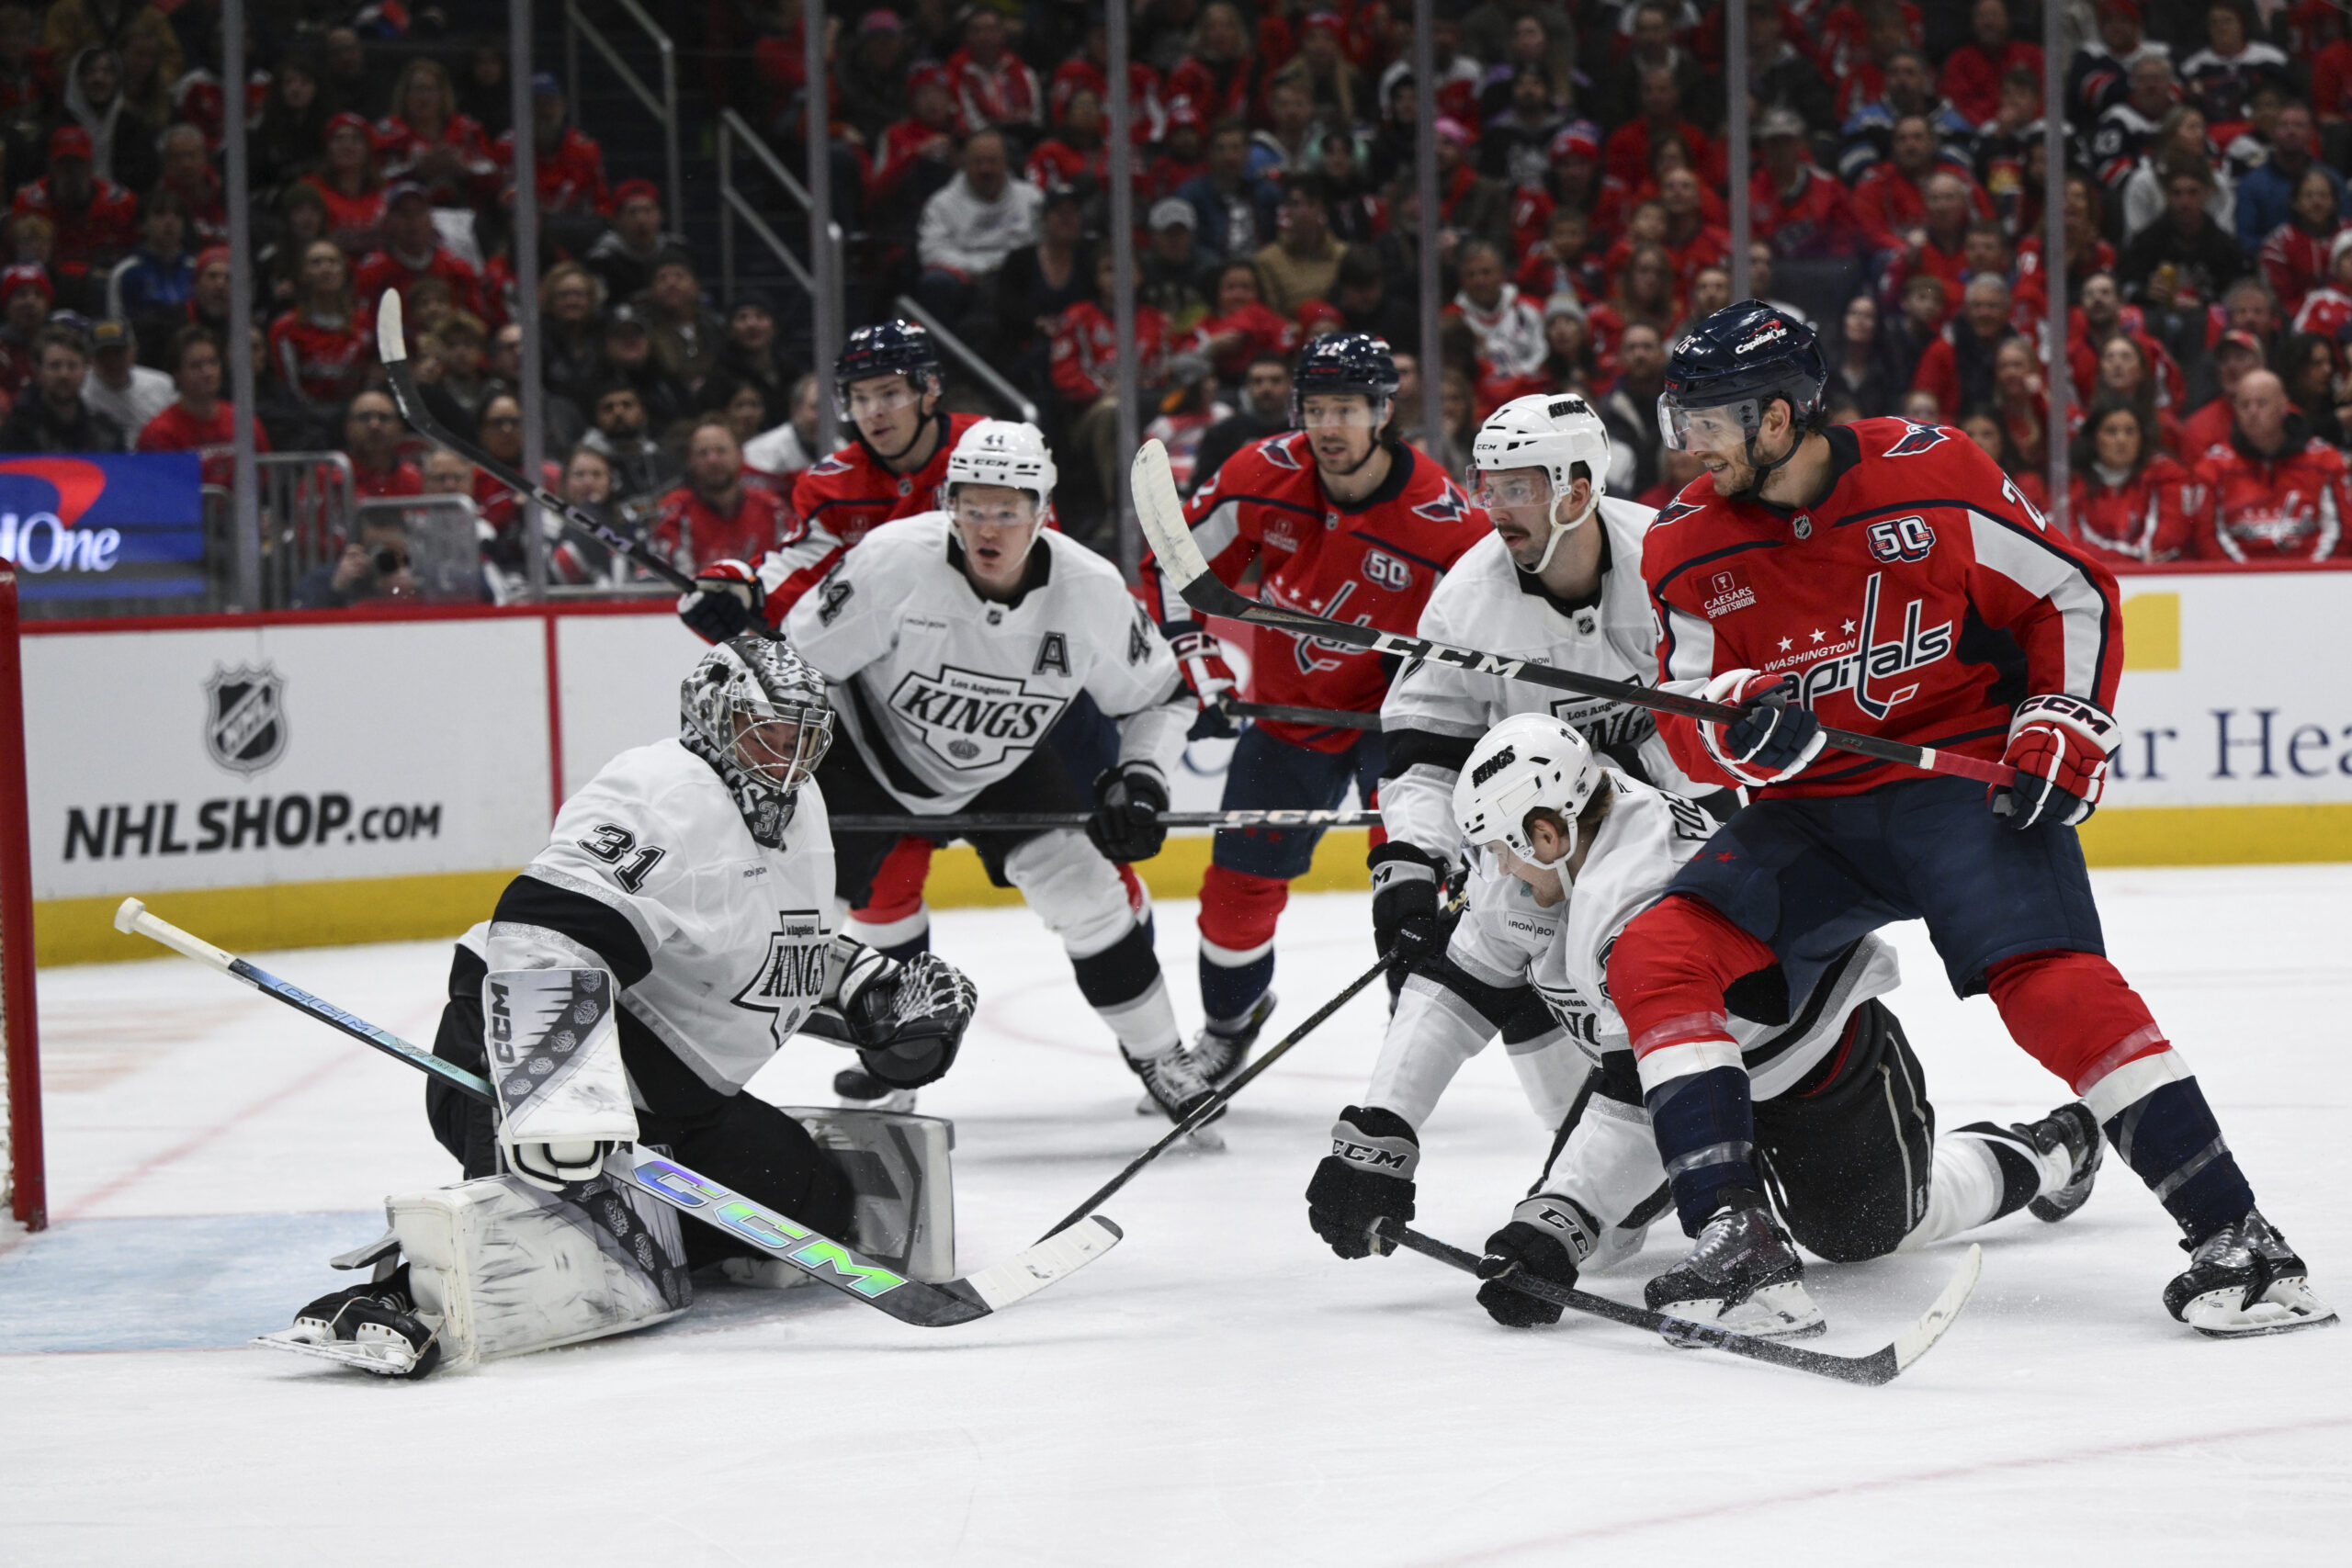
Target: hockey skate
x=1220, y=1054
x=1743, y=1274
x=1175, y=1087
x=859, y=1089
x=374, y=1327
x=2244, y=1279
x=2072, y=1127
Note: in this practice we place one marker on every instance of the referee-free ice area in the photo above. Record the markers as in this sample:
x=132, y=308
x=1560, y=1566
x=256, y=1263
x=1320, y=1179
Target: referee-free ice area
x=1219, y=1389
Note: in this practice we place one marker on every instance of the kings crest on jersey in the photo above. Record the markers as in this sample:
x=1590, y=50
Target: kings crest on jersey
x=943, y=692
x=1921, y=599
x=1372, y=563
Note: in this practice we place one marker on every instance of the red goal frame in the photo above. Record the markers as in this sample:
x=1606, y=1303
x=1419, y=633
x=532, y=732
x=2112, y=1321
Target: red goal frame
x=19, y=1020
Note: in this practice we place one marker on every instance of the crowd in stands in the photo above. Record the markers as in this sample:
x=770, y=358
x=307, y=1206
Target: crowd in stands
x=1896, y=199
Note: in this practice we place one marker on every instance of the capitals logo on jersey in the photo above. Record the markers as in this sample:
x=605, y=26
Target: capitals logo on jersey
x=791, y=977
x=972, y=719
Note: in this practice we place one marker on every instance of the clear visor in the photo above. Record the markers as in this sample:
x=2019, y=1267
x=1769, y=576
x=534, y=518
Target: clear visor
x=784, y=748
x=1003, y=509
x=1722, y=428
x=1519, y=490
x=881, y=398
x=1340, y=411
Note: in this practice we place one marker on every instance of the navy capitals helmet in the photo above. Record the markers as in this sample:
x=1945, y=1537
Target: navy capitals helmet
x=1340, y=363
x=1724, y=373
x=887, y=348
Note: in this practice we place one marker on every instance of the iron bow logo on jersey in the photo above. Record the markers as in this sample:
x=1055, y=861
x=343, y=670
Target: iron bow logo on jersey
x=971, y=719
x=791, y=977
x=245, y=728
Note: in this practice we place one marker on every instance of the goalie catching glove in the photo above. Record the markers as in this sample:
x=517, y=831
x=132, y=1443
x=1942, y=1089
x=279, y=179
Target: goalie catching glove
x=1366, y=1177
x=2059, y=746
x=725, y=601
x=907, y=1020
x=1202, y=659
x=1772, y=740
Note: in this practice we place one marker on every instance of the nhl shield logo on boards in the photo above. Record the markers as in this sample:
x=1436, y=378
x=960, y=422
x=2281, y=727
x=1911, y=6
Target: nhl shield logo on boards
x=245, y=728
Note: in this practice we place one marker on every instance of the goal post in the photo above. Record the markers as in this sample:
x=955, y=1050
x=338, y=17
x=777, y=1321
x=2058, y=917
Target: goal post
x=21, y=1183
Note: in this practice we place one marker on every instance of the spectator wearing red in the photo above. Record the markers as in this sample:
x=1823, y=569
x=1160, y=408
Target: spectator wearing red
x=1223, y=75
x=1646, y=295
x=1241, y=326
x=499, y=431
x=1562, y=263
x=1797, y=207
x=1690, y=241
x=992, y=85
x=917, y=154
x=427, y=141
x=1972, y=73
x=2299, y=254
x=1944, y=241
x=2126, y=497
x=1075, y=150
x=715, y=515
x=2327, y=310
x=412, y=250
x=1084, y=366
x=95, y=220
x=2237, y=356
x=25, y=298
x=567, y=162
x=1891, y=200
x=1858, y=42
x=1467, y=202
x=371, y=439
x=2087, y=253
x=28, y=87
x=2275, y=491
x=351, y=185
x=2153, y=376
x=1147, y=107
x=1184, y=152
x=202, y=420
x=1957, y=365
x=2332, y=78
x=325, y=347
x=1575, y=166
x=187, y=173
x=1625, y=156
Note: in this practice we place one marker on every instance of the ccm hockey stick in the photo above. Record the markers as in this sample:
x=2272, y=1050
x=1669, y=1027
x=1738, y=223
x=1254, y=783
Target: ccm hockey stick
x=986, y=822
x=1881, y=1366
x=391, y=347
x=1162, y=516
x=819, y=1257
x=1282, y=713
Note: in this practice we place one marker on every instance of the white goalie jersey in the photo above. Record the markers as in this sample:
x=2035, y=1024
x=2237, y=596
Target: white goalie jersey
x=1435, y=713
x=1506, y=942
x=943, y=692
x=720, y=944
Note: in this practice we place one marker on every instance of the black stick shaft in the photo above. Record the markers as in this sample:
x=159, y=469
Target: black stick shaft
x=985, y=822
x=1282, y=713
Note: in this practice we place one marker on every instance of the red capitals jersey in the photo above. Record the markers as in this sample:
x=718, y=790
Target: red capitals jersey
x=326, y=364
x=214, y=441
x=380, y=270
x=2289, y=507
x=2139, y=520
x=571, y=177
x=1373, y=563
x=353, y=222
x=1922, y=599
x=690, y=532
x=840, y=501
x=1084, y=359
x=90, y=238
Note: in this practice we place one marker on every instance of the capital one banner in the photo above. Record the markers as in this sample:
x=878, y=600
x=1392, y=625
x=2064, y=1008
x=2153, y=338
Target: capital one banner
x=104, y=527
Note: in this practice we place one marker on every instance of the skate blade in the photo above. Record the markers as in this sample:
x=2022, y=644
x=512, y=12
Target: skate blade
x=2287, y=1306
x=1205, y=1139
x=385, y=1357
x=1777, y=1311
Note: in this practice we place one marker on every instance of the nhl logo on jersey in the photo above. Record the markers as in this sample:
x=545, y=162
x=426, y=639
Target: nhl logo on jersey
x=244, y=717
x=971, y=719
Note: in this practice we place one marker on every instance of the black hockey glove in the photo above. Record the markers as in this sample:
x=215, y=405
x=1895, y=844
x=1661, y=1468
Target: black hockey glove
x=725, y=601
x=908, y=1018
x=1367, y=1176
x=1406, y=924
x=1545, y=1238
x=1126, y=826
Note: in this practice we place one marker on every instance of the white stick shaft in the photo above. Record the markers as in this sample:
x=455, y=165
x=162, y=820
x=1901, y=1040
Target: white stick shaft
x=132, y=917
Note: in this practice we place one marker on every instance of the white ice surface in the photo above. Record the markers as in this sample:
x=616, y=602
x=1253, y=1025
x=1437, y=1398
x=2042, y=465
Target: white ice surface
x=1220, y=1388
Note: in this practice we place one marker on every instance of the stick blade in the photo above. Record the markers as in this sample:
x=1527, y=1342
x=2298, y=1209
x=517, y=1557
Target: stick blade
x=1056, y=1258
x=392, y=343
x=1161, y=513
x=1920, y=1338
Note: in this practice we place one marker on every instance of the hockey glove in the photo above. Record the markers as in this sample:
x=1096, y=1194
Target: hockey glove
x=908, y=1018
x=2059, y=745
x=1126, y=826
x=1202, y=659
x=1545, y=1239
x=1406, y=925
x=1366, y=1177
x=1772, y=742
x=725, y=601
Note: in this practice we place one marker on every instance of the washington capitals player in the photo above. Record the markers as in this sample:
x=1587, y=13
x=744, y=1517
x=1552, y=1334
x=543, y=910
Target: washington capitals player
x=1573, y=851
x=887, y=386
x=954, y=641
x=1559, y=581
x=678, y=929
x=1347, y=522
x=1889, y=577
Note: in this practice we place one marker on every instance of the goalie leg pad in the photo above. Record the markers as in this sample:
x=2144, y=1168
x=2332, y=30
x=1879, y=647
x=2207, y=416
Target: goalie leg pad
x=555, y=1060
x=901, y=1185
x=508, y=1268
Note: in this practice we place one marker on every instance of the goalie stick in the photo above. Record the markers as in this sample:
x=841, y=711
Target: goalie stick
x=1161, y=514
x=824, y=1260
x=1883, y=1365
x=988, y=822
x=391, y=347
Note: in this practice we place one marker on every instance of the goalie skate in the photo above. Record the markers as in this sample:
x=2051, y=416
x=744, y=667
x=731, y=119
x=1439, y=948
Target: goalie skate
x=372, y=1329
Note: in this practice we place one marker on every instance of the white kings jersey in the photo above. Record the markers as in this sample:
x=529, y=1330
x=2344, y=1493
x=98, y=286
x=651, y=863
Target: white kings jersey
x=943, y=692
x=1506, y=942
x=1435, y=713
x=718, y=943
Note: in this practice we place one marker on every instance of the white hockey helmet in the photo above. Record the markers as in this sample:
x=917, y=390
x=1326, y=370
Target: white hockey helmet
x=1530, y=761
x=1552, y=430
x=757, y=714
x=1003, y=452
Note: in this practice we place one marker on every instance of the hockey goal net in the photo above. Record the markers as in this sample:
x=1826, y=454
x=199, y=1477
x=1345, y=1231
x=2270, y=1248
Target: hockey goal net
x=22, y=1193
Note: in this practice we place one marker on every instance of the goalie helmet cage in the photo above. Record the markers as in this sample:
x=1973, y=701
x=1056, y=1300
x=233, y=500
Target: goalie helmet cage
x=22, y=1185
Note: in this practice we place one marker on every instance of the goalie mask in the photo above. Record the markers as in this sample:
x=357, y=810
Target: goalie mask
x=1530, y=761
x=756, y=712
